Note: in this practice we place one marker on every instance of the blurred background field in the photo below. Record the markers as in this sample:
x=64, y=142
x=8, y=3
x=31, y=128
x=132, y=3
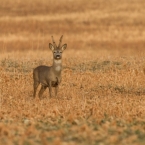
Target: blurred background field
x=86, y=25
x=102, y=95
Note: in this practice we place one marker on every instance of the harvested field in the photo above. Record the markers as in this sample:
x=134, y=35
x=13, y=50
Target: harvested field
x=102, y=95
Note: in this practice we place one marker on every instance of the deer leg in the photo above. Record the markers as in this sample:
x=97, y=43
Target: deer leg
x=43, y=88
x=35, y=85
x=56, y=90
x=50, y=89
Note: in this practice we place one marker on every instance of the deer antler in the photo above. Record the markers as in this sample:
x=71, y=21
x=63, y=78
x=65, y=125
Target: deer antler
x=60, y=41
x=53, y=42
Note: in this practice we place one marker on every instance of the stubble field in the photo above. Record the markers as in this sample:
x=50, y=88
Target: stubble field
x=101, y=99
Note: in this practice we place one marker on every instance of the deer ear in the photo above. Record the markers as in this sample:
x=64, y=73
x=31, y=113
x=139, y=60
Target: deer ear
x=51, y=46
x=64, y=47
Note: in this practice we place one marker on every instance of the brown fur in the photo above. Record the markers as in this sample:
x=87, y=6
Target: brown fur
x=49, y=76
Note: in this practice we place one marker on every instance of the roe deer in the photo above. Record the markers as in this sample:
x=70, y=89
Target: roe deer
x=50, y=76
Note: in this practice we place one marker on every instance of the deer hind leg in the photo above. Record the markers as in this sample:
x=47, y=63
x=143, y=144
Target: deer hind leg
x=35, y=85
x=43, y=88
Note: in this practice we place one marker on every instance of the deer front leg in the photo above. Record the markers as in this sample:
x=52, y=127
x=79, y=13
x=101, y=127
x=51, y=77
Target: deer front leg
x=57, y=84
x=56, y=90
x=50, y=89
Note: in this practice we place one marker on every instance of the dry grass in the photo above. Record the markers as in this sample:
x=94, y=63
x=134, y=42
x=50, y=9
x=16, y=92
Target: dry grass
x=102, y=95
x=101, y=100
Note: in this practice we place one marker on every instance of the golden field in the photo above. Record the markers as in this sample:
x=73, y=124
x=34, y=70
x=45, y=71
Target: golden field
x=101, y=99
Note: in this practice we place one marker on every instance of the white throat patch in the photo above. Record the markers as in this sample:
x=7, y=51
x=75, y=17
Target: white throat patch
x=58, y=68
x=58, y=65
x=57, y=61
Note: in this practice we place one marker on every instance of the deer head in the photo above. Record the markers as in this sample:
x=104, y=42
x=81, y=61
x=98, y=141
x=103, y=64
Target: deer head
x=57, y=50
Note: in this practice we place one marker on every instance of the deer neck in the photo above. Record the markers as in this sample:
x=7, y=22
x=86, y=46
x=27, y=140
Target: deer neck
x=57, y=65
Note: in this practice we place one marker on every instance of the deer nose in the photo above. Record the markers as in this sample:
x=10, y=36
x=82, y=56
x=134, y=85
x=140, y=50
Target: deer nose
x=57, y=55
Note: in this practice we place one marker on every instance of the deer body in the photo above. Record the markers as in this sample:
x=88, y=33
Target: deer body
x=49, y=76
